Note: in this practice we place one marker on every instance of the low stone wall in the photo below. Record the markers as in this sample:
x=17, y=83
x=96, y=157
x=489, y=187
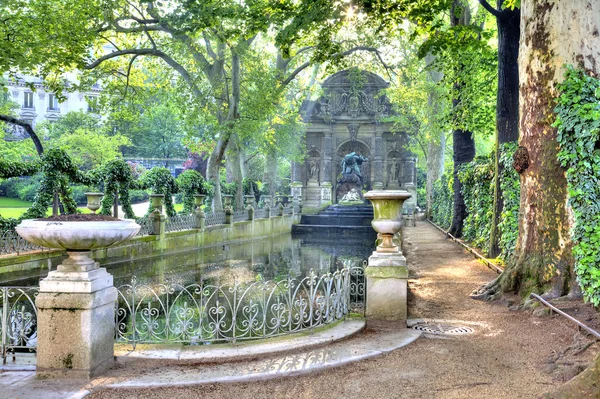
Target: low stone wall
x=160, y=244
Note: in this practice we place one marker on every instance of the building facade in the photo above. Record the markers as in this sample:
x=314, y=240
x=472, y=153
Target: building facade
x=39, y=105
x=350, y=117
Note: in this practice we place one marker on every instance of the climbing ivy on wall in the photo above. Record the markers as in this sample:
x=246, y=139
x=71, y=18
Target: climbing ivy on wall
x=478, y=192
x=511, y=193
x=578, y=123
x=443, y=194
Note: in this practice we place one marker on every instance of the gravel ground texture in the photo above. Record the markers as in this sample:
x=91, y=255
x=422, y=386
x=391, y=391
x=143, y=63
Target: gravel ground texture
x=512, y=354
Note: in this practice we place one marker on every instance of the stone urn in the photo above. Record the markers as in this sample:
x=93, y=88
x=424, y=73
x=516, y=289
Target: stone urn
x=387, y=209
x=199, y=200
x=93, y=201
x=386, y=272
x=157, y=200
x=227, y=201
x=76, y=302
x=249, y=199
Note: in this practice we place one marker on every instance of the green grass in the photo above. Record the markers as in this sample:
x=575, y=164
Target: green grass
x=13, y=203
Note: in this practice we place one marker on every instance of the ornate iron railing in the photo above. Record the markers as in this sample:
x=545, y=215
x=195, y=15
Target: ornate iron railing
x=288, y=210
x=180, y=222
x=358, y=289
x=260, y=213
x=145, y=226
x=240, y=215
x=214, y=218
x=11, y=242
x=205, y=313
x=18, y=316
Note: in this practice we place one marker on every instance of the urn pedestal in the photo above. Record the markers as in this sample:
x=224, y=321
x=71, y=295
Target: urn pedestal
x=386, y=272
x=76, y=303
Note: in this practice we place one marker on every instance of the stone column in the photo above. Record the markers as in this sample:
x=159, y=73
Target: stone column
x=378, y=161
x=326, y=185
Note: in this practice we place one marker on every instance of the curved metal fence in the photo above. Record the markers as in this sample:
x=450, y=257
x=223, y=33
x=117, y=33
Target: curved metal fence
x=145, y=226
x=207, y=313
x=11, y=242
x=18, y=316
x=241, y=215
x=260, y=213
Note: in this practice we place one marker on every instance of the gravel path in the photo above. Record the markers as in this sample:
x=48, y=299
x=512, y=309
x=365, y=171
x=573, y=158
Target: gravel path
x=505, y=358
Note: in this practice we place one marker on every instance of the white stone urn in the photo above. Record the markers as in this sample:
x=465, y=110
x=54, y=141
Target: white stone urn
x=76, y=303
x=387, y=209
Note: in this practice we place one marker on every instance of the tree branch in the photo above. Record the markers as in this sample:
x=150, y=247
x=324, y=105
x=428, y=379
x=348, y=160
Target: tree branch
x=152, y=53
x=28, y=128
x=302, y=67
x=489, y=8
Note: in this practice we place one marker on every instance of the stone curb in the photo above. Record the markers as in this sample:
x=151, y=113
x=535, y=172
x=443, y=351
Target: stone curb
x=221, y=353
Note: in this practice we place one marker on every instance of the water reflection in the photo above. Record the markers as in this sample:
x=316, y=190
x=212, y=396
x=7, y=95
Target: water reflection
x=272, y=258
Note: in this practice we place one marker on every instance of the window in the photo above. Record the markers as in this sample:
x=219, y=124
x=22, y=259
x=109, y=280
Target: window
x=52, y=102
x=92, y=104
x=28, y=99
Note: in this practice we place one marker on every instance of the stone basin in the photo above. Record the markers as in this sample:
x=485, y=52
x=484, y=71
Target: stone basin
x=77, y=236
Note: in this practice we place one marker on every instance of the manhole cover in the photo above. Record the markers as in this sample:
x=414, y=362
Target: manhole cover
x=443, y=329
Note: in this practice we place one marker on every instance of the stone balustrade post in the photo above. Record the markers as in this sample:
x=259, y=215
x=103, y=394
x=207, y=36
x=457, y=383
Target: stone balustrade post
x=229, y=216
x=280, y=210
x=250, y=210
x=199, y=219
x=159, y=222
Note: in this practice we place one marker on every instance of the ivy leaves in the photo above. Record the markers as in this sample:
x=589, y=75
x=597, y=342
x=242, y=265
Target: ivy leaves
x=578, y=123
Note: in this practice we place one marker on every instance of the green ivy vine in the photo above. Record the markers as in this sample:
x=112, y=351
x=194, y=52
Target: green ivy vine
x=510, y=186
x=578, y=123
x=118, y=180
x=160, y=181
x=478, y=193
x=443, y=195
x=191, y=182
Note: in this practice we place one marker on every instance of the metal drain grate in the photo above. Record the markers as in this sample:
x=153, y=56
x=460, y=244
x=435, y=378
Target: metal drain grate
x=443, y=329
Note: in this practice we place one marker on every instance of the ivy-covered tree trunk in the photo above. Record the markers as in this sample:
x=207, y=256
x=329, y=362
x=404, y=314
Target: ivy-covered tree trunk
x=437, y=143
x=507, y=108
x=543, y=260
x=463, y=141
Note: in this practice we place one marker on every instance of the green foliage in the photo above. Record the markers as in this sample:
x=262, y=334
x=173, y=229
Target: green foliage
x=118, y=180
x=421, y=188
x=443, y=196
x=478, y=193
x=190, y=182
x=508, y=226
x=160, y=181
x=578, y=123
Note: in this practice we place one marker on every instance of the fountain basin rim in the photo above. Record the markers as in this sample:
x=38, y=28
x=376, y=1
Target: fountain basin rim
x=77, y=235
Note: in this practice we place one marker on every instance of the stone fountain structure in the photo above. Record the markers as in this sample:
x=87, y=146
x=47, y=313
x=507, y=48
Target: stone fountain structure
x=76, y=303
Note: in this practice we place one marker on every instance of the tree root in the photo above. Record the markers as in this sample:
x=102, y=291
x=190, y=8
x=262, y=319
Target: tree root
x=488, y=292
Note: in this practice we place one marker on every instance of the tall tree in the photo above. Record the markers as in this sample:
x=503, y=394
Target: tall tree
x=507, y=106
x=543, y=260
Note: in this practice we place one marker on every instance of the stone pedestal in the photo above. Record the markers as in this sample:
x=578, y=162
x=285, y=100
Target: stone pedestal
x=387, y=277
x=76, y=316
x=326, y=188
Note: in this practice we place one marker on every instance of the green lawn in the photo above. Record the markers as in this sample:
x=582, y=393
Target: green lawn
x=13, y=208
x=13, y=203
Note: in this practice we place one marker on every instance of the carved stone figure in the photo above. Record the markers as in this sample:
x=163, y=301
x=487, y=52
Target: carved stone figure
x=351, y=164
x=393, y=170
x=351, y=197
x=313, y=169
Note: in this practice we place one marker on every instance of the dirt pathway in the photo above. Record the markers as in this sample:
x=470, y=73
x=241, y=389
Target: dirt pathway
x=505, y=358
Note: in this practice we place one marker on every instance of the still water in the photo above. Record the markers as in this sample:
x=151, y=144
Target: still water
x=271, y=258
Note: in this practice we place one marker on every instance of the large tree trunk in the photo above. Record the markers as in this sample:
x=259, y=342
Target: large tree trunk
x=464, y=143
x=507, y=105
x=435, y=149
x=543, y=260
